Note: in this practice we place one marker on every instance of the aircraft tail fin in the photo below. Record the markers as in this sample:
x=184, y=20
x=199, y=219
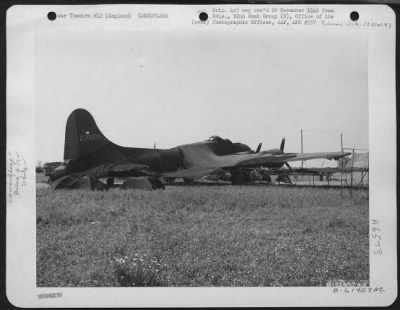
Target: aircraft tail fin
x=82, y=136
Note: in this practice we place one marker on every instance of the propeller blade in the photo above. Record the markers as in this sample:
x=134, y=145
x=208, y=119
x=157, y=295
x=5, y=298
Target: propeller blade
x=287, y=165
x=282, y=144
x=259, y=147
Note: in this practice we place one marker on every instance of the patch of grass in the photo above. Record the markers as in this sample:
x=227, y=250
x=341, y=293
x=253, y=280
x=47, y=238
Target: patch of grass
x=201, y=236
x=137, y=271
x=41, y=178
x=337, y=223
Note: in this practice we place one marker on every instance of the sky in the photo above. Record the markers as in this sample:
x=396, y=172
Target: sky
x=177, y=87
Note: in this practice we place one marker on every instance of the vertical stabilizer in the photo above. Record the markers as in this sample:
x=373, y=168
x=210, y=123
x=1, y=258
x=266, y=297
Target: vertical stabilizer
x=82, y=136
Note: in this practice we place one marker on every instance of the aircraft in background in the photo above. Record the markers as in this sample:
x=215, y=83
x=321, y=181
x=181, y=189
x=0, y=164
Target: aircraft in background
x=87, y=152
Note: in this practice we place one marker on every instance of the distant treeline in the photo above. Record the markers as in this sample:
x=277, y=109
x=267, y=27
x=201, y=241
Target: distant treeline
x=39, y=167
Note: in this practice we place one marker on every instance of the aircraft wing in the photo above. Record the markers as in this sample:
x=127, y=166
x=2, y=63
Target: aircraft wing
x=326, y=155
x=265, y=159
x=204, y=163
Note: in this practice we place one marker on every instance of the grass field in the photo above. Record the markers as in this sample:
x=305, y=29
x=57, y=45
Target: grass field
x=201, y=236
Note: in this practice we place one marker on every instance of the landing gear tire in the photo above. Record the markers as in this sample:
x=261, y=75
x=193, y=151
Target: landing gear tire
x=238, y=177
x=110, y=182
x=187, y=181
x=169, y=180
x=267, y=179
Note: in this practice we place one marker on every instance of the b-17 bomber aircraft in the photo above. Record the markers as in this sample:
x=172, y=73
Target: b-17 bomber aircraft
x=88, y=153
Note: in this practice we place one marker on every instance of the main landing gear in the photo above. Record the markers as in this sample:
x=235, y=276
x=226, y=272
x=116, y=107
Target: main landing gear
x=283, y=178
x=110, y=182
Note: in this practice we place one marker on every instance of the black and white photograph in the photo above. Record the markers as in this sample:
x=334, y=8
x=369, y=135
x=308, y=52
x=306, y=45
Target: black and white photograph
x=225, y=148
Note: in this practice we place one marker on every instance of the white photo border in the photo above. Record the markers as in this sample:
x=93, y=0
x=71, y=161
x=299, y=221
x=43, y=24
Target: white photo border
x=22, y=24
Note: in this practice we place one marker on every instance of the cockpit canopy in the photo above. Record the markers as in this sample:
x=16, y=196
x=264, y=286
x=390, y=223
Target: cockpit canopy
x=218, y=139
x=225, y=146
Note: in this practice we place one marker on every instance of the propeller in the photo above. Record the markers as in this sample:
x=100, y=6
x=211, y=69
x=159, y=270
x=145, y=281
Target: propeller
x=287, y=165
x=282, y=144
x=282, y=147
x=259, y=147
